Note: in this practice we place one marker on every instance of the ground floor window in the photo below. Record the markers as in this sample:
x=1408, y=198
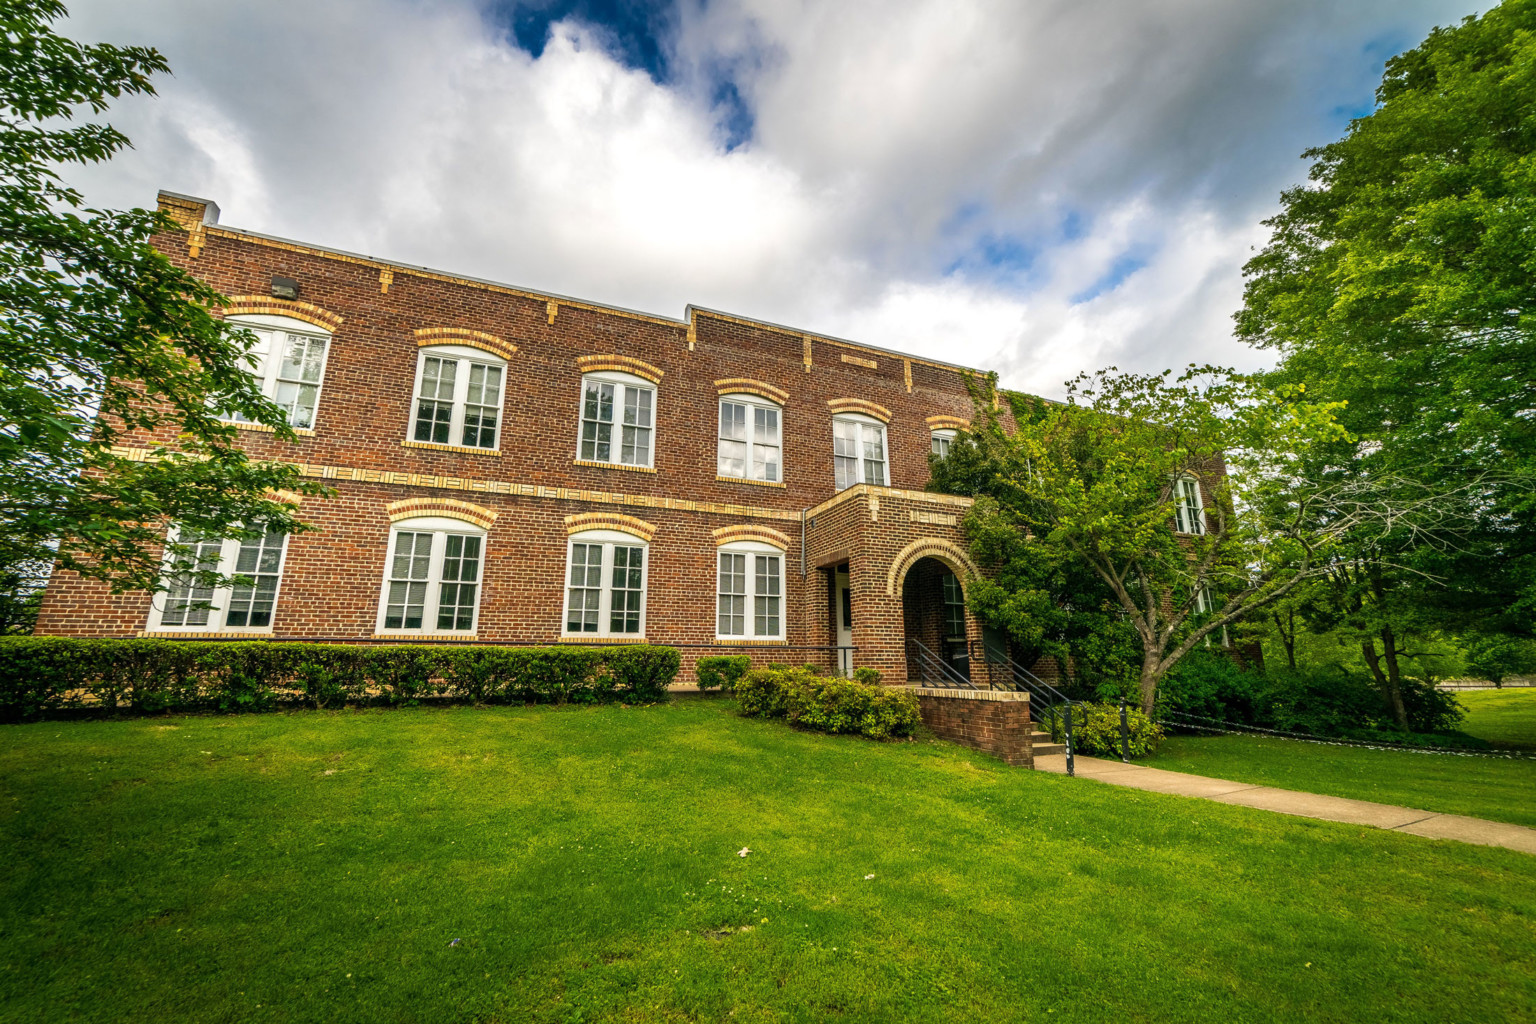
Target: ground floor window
x=605, y=585
x=749, y=592
x=432, y=577
x=189, y=604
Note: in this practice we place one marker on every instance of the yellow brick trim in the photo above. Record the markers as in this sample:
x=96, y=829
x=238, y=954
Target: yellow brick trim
x=228, y=634
x=870, y=490
x=738, y=385
x=906, y=373
x=948, y=552
x=452, y=508
x=612, y=465
x=466, y=449
x=551, y=310
x=427, y=336
x=753, y=483
x=719, y=642
x=868, y=364
x=1003, y=695
x=631, y=525
x=386, y=278
x=308, y=312
x=600, y=641
x=764, y=534
x=624, y=364
x=425, y=638
x=805, y=351
x=514, y=488
x=262, y=428
x=286, y=496
x=879, y=412
x=948, y=423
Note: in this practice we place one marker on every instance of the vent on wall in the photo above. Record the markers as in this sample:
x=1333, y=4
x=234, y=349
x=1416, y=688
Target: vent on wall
x=284, y=288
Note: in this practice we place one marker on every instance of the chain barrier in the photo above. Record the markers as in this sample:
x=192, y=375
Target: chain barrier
x=1234, y=729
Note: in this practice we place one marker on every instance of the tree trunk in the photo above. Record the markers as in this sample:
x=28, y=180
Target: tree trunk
x=1150, y=677
x=1389, y=653
x=1287, y=639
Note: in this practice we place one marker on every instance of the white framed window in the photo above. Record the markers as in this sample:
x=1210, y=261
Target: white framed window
x=432, y=576
x=605, y=585
x=288, y=361
x=458, y=397
x=749, y=592
x=751, y=440
x=1203, y=603
x=942, y=439
x=188, y=606
x=1188, y=511
x=618, y=416
x=858, y=450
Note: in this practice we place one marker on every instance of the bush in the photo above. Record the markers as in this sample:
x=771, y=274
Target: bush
x=829, y=704
x=40, y=676
x=1211, y=684
x=1096, y=730
x=721, y=671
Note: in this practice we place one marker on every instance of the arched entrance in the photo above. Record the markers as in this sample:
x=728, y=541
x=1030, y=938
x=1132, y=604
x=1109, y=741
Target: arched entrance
x=937, y=626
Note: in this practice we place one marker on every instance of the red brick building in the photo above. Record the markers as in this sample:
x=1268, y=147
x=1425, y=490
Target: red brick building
x=517, y=467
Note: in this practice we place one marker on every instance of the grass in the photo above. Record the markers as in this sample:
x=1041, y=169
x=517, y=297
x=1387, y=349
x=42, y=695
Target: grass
x=1499, y=789
x=319, y=866
x=1505, y=718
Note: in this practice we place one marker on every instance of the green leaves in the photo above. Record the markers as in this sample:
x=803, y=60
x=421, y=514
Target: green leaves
x=103, y=338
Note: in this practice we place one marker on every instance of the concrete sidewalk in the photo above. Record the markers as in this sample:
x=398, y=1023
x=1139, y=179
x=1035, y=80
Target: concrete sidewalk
x=1306, y=805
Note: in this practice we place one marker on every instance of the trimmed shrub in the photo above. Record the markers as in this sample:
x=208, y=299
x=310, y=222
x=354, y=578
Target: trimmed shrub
x=1096, y=730
x=721, y=671
x=829, y=704
x=40, y=676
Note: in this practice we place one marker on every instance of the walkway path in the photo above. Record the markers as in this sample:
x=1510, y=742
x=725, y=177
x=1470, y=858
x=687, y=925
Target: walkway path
x=1306, y=805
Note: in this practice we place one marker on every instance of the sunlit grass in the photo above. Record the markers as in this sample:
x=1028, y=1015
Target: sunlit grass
x=319, y=866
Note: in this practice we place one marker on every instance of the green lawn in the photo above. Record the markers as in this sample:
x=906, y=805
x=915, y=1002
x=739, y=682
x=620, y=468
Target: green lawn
x=1505, y=718
x=318, y=866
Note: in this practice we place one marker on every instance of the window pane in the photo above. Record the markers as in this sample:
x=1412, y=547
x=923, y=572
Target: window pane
x=954, y=607
x=259, y=559
x=407, y=598
x=585, y=588
x=874, y=454
x=765, y=444
x=940, y=445
x=766, y=597
x=255, y=363
x=732, y=594
x=628, y=564
x=845, y=452
x=434, y=404
x=597, y=422
x=733, y=436
x=186, y=602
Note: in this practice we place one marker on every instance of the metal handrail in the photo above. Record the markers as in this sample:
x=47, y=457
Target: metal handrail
x=929, y=661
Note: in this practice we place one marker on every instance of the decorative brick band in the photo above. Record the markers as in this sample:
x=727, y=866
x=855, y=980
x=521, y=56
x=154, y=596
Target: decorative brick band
x=931, y=691
x=871, y=491
x=287, y=497
x=203, y=634
x=426, y=336
x=624, y=364
x=745, y=480
x=631, y=525
x=451, y=448
x=737, y=385
x=750, y=531
x=264, y=429
x=858, y=405
x=601, y=641
x=948, y=552
x=948, y=423
x=452, y=508
x=424, y=638
x=310, y=314
x=868, y=364
x=612, y=465
x=727, y=642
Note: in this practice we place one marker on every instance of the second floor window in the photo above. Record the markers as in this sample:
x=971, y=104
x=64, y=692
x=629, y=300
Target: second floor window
x=858, y=449
x=1189, y=513
x=188, y=605
x=751, y=445
x=617, y=419
x=942, y=440
x=458, y=397
x=288, y=362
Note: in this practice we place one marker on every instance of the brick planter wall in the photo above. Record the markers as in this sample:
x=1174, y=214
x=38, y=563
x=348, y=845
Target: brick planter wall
x=994, y=721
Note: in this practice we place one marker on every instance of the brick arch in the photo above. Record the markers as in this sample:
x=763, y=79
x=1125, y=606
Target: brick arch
x=762, y=534
x=948, y=552
x=631, y=525
x=746, y=385
x=948, y=423
x=307, y=312
x=452, y=508
x=859, y=405
x=624, y=364
x=459, y=336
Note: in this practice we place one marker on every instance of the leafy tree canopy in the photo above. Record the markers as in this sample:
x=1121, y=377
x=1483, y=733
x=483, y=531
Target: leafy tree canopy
x=100, y=335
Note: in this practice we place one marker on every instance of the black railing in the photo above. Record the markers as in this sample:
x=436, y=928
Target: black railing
x=934, y=670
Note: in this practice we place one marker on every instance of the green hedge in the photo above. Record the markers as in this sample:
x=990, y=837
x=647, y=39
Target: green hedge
x=1096, y=730
x=833, y=704
x=722, y=671
x=40, y=676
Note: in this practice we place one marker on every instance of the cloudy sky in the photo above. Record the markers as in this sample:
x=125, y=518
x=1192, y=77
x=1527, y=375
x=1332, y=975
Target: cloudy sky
x=1036, y=186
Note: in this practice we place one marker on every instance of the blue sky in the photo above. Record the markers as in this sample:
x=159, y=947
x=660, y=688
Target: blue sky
x=1036, y=187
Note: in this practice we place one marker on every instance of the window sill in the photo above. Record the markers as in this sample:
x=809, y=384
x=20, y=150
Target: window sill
x=262, y=428
x=600, y=641
x=612, y=465
x=754, y=483
x=406, y=634
x=171, y=633
x=733, y=641
x=451, y=448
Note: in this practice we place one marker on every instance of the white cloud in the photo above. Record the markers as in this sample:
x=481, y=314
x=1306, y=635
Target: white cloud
x=1039, y=188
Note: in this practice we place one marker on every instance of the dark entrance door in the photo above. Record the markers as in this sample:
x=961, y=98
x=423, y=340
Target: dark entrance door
x=956, y=651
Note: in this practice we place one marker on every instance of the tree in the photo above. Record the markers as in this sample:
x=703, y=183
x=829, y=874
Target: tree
x=1402, y=281
x=101, y=335
x=1496, y=658
x=1093, y=487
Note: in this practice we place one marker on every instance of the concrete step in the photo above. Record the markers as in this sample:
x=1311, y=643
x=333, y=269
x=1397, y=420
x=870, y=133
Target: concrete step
x=1042, y=749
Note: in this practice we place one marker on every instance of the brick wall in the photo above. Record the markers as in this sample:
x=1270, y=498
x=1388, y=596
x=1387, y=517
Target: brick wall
x=996, y=722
